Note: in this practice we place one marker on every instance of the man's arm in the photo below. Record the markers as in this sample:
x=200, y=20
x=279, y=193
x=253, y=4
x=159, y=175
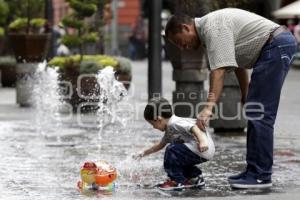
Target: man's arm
x=216, y=82
x=243, y=78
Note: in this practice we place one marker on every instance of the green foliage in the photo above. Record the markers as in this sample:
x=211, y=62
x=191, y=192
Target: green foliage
x=91, y=37
x=76, y=20
x=91, y=64
x=71, y=40
x=2, y=32
x=89, y=67
x=20, y=25
x=99, y=62
x=18, y=8
x=37, y=22
x=83, y=8
x=4, y=11
x=24, y=10
x=72, y=22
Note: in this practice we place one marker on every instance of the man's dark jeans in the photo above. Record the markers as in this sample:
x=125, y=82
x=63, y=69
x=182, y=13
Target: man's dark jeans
x=267, y=79
x=180, y=161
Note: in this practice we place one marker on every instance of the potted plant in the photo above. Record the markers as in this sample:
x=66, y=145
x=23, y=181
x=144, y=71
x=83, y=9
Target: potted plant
x=87, y=67
x=123, y=71
x=28, y=32
x=4, y=10
x=1, y=39
x=8, y=71
x=82, y=32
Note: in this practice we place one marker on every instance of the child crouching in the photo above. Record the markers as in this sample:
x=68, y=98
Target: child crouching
x=188, y=146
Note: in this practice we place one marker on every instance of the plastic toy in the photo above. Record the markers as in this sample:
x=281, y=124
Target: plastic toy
x=98, y=175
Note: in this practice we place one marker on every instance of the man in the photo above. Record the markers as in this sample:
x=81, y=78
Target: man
x=237, y=40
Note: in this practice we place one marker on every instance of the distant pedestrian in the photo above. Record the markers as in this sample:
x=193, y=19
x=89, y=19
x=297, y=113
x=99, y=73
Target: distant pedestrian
x=137, y=40
x=237, y=40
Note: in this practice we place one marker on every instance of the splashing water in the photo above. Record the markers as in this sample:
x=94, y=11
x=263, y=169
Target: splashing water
x=111, y=93
x=46, y=99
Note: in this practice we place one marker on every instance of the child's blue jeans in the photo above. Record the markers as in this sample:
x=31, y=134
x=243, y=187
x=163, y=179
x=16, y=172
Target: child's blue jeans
x=179, y=163
x=264, y=91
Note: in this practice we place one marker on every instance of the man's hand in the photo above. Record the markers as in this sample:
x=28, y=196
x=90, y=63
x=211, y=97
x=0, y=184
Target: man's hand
x=203, y=118
x=243, y=78
x=216, y=82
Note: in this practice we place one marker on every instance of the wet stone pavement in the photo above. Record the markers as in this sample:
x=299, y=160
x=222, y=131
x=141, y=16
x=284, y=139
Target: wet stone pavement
x=34, y=166
x=45, y=165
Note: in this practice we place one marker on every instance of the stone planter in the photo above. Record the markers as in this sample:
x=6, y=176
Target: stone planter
x=31, y=47
x=86, y=88
x=230, y=115
x=8, y=76
x=8, y=71
x=29, y=50
x=24, y=85
x=124, y=78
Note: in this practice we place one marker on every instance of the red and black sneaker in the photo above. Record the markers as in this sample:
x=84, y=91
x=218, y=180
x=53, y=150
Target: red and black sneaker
x=170, y=185
x=196, y=182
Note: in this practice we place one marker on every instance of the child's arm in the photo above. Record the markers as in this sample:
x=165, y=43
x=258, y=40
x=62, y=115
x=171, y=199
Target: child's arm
x=155, y=148
x=201, y=138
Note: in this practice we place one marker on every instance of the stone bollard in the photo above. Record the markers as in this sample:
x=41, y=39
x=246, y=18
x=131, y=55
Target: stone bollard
x=189, y=72
x=24, y=85
x=29, y=49
x=229, y=113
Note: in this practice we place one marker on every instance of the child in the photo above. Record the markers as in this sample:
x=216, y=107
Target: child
x=188, y=146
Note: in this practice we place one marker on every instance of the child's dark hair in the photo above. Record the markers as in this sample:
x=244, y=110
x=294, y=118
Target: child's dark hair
x=158, y=107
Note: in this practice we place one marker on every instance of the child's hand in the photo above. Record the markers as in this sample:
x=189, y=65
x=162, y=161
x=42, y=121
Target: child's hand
x=137, y=156
x=202, y=147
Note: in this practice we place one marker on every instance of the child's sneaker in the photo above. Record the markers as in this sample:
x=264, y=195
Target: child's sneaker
x=170, y=185
x=196, y=182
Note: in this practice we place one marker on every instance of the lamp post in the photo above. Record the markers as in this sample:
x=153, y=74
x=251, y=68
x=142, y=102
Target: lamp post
x=154, y=58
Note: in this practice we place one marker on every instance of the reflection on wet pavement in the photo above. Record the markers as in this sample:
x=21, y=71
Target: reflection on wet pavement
x=35, y=166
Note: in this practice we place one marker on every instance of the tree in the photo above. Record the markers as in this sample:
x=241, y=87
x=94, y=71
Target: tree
x=4, y=10
x=82, y=30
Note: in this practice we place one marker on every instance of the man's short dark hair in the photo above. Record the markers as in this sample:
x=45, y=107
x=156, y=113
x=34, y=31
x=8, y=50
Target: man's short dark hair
x=174, y=24
x=158, y=107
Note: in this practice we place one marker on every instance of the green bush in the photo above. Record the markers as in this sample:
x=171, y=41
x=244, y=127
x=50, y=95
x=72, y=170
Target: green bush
x=2, y=32
x=91, y=37
x=4, y=11
x=37, y=22
x=89, y=67
x=72, y=23
x=84, y=9
x=19, y=25
x=76, y=20
x=71, y=40
x=100, y=61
